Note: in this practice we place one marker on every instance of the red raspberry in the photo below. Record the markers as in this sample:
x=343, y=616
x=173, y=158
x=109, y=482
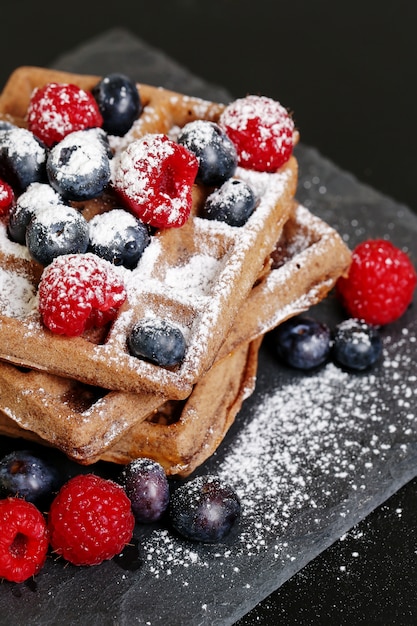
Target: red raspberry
x=155, y=177
x=380, y=283
x=56, y=110
x=262, y=131
x=24, y=539
x=6, y=197
x=78, y=292
x=90, y=520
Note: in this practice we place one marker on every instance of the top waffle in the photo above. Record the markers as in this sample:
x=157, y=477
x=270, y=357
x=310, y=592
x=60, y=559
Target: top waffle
x=196, y=276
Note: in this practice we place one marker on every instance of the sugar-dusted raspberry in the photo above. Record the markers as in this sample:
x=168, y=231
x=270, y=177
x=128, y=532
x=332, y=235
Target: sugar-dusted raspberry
x=58, y=109
x=380, y=283
x=24, y=539
x=78, y=292
x=90, y=520
x=262, y=131
x=154, y=176
x=6, y=197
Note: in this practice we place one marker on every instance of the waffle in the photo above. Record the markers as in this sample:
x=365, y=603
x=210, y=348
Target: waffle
x=89, y=424
x=165, y=283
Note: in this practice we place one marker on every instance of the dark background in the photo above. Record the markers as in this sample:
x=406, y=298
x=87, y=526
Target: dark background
x=348, y=72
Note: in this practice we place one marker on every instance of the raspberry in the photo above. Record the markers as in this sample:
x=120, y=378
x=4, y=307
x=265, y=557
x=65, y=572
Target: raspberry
x=56, y=110
x=90, y=520
x=23, y=539
x=380, y=283
x=262, y=131
x=6, y=197
x=78, y=292
x=155, y=176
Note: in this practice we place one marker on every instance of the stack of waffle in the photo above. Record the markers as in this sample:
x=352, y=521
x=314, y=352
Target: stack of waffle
x=225, y=287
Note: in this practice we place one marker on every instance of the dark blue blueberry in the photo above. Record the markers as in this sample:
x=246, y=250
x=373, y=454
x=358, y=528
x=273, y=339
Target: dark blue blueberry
x=302, y=342
x=216, y=154
x=157, y=341
x=357, y=345
x=119, y=102
x=22, y=158
x=147, y=488
x=28, y=476
x=204, y=509
x=118, y=237
x=78, y=167
x=233, y=203
x=54, y=231
x=37, y=197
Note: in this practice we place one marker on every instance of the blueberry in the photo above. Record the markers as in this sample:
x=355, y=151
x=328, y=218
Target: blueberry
x=78, y=167
x=22, y=158
x=204, y=509
x=147, y=488
x=157, y=341
x=357, y=345
x=216, y=154
x=54, y=231
x=37, y=196
x=119, y=102
x=28, y=476
x=233, y=203
x=118, y=237
x=302, y=342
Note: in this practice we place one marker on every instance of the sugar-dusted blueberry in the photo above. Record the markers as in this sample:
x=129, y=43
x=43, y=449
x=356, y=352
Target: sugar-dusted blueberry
x=78, y=167
x=22, y=158
x=54, y=231
x=37, y=196
x=216, y=154
x=302, y=342
x=233, y=203
x=357, y=345
x=27, y=475
x=119, y=103
x=119, y=237
x=157, y=341
x=147, y=487
x=204, y=509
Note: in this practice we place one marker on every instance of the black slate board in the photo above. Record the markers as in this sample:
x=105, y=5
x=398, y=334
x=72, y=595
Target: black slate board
x=311, y=455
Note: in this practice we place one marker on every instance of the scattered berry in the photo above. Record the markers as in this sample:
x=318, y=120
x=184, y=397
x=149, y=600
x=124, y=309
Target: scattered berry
x=77, y=292
x=23, y=540
x=6, y=197
x=26, y=475
x=204, y=509
x=37, y=197
x=157, y=341
x=56, y=110
x=233, y=203
x=216, y=153
x=262, y=131
x=302, y=342
x=90, y=520
x=22, y=158
x=380, y=284
x=119, y=237
x=154, y=177
x=119, y=103
x=147, y=488
x=357, y=345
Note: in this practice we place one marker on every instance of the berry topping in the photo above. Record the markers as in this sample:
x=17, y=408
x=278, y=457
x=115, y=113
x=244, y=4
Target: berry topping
x=23, y=540
x=233, y=203
x=157, y=341
x=357, y=345
x=216, y=153
x=37, y=197
x=22, y=158
x=119, y=103
x=77, y=292
x=204, y=509
x=56, y=110
x=118, y=237
x=262, y=131
x=90, y=520
x=147, y=487
x=78, y=167
x=380, y=284
x=154, y=176
x=302, y=342
x=26, y=475
x=6, y=197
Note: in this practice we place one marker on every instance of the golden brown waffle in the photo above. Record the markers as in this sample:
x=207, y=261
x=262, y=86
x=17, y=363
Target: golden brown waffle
x=229, y=261
x=89, y=423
